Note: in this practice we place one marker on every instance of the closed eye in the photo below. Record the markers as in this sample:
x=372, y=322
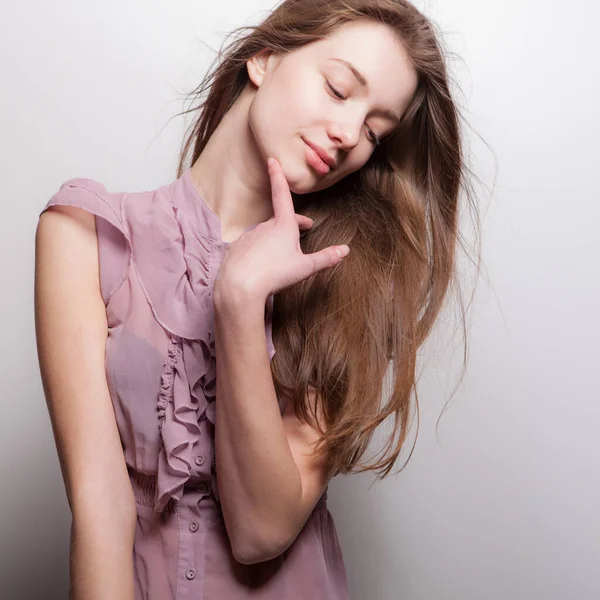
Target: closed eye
x=374, y=139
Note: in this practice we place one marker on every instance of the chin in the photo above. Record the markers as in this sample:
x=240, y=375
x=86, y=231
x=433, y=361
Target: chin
x=312, y=182
x=301, y=181
x=304, y=187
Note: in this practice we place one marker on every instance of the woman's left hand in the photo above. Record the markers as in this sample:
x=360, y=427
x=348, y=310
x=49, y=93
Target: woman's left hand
x=268, y=258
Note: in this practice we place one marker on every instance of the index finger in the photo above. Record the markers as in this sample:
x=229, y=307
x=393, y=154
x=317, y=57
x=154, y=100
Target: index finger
x=283, y=204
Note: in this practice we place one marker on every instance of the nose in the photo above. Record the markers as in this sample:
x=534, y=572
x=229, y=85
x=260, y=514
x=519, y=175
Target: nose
x=346, y=134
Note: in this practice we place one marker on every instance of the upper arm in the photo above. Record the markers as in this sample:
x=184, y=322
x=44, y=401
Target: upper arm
x=71, y=335
x=314, y=473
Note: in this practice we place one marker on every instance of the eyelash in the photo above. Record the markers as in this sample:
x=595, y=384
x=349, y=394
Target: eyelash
x=375, y=139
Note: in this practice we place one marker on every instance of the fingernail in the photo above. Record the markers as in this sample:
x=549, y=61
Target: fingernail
x=342, y=251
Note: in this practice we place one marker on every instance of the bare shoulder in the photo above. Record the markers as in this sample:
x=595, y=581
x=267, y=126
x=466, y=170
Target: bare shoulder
x=67, y=227
x=67, y=268
x=76, y=213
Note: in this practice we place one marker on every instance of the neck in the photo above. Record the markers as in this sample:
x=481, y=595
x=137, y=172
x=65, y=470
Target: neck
x=230, y=174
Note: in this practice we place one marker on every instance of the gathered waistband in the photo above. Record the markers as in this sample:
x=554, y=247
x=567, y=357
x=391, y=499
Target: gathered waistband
x=144, y=491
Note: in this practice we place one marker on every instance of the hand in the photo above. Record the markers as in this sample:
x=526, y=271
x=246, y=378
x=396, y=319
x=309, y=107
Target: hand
x=268, y=258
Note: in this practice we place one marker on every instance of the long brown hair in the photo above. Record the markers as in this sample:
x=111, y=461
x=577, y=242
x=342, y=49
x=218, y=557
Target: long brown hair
x=342, y=332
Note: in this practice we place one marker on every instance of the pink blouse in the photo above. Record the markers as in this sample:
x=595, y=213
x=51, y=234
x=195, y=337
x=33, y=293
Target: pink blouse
x=160, y=252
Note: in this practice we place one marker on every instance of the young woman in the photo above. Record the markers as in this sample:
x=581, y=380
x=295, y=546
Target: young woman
x=196, y=458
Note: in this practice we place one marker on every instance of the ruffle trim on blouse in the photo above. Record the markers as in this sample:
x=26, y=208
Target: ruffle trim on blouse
x=187, y=394
x=165, y=393
x=178, y=424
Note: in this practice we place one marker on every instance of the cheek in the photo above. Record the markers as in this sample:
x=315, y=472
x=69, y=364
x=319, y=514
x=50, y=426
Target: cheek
x=279, y=111
x=303, y=97
x=261, y=116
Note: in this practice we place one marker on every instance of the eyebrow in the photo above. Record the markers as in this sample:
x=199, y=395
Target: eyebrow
x=365, y=84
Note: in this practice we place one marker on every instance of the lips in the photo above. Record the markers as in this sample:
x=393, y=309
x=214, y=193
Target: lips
x=330, y=161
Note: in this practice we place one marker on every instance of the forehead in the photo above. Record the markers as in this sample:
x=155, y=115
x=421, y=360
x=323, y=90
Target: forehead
x=377, y=53
x=365, y=42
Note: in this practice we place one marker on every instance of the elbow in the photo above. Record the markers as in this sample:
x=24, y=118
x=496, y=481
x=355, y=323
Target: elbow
x=246, y=558
x=251, y=556
x=250, y=552
x=261, y=537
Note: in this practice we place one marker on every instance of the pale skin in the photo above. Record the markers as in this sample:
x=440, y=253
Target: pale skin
x=268, y=484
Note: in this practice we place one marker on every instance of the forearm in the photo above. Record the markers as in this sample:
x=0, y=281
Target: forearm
x=259, y=483
x=101, y=557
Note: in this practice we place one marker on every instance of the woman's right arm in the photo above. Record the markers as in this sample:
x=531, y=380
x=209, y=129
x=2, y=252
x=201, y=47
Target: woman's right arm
x=71, y=333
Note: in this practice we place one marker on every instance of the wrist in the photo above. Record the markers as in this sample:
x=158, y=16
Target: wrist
x=228, y=295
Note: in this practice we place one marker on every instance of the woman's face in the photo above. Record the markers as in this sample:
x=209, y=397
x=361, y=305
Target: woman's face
x=310, y=97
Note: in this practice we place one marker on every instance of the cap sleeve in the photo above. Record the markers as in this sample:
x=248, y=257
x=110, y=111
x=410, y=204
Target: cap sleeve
x=114, y=246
